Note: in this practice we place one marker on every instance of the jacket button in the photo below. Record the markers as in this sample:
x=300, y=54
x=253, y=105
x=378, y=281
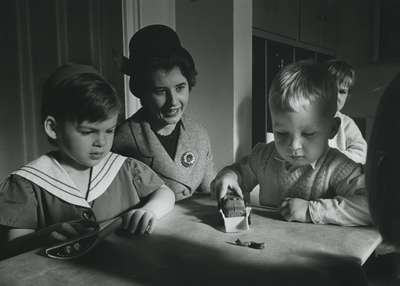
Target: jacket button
x=185, y=193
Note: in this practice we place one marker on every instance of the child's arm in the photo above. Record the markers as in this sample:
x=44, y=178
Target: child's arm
x=242, y=176
x=7, y=234
x=350, y=206
x=356, y=146
x=160, y=202
x=142, y=220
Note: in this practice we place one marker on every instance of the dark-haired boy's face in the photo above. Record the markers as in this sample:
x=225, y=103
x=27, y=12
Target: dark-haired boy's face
x=83, y=145
x=301, y=137
x=168, y=96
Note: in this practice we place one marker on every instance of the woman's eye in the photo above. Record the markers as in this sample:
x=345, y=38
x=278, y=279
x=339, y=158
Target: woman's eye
x=180, y=88
x=86, y=132
x=111, y=131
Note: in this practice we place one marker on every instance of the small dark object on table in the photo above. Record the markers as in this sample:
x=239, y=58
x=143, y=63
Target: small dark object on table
x=251, y=244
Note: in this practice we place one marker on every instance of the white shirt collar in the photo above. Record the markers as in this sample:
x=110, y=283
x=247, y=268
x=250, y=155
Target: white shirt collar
x=47, y=173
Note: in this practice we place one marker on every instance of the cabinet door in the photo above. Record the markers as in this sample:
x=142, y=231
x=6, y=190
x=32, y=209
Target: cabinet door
x=329, y=26
x=277, y=16
x=318, y=22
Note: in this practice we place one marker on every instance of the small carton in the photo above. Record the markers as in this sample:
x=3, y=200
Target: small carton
x=236, y=223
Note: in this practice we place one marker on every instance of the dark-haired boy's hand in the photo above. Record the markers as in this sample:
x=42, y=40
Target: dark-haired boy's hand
x=70, y=230
x=138, y=222
x=294, y=209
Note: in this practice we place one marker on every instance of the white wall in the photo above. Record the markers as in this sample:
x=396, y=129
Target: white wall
x=218, y=35
x=242, y=77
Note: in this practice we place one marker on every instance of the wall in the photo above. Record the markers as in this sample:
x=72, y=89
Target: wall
x=220, y=100
x=242, y=77
x=355, y=31
x=371, y=81
x=354, y=34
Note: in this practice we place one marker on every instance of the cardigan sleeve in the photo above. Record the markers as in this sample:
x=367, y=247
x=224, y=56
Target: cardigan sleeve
x=349, y=206
x=250, y=167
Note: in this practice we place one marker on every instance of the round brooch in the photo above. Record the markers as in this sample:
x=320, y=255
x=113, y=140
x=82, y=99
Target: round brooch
x=188, y=159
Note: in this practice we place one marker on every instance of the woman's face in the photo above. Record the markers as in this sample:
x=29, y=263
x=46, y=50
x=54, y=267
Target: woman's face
x=168, y=97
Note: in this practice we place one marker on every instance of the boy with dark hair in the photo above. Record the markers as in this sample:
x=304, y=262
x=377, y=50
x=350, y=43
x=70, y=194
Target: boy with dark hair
x=81, y=179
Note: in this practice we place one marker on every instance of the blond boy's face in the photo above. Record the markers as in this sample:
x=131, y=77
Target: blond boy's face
x=301, y=138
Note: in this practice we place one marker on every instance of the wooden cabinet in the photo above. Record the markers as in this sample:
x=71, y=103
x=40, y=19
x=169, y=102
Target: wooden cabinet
x=318, y=20
x=277, y=16
x=311, y=22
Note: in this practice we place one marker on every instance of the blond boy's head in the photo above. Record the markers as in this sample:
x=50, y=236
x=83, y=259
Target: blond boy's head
x=303, y=102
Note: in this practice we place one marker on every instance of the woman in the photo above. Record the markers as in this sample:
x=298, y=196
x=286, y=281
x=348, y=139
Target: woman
x=162, y=74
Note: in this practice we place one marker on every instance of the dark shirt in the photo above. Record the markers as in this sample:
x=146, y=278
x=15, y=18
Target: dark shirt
x=170, y=141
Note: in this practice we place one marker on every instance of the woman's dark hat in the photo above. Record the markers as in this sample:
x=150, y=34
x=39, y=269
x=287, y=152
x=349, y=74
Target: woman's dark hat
x=154, y=41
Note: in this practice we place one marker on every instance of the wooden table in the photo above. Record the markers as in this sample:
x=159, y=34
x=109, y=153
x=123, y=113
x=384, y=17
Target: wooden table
x=189, y=247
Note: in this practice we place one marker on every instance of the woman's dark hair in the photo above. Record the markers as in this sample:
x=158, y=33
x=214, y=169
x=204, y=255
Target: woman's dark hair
x=152, y=48
x=141, y=82
x=383, y=159
x=78, y=93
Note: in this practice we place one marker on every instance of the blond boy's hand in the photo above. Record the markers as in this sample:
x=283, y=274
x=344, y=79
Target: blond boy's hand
x=294, y=209
x=224, y=182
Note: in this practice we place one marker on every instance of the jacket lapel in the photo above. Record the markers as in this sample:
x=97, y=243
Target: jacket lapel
x=157, y=157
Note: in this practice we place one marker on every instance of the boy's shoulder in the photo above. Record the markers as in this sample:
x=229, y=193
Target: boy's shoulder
x=264, y=151
x=133, y=164
x=337, y=162
x=345, y=120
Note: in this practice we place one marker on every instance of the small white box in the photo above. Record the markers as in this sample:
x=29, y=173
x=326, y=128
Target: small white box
x=236, y=223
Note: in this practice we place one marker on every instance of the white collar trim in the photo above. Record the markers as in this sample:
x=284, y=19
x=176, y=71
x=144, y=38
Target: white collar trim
x=47, y=173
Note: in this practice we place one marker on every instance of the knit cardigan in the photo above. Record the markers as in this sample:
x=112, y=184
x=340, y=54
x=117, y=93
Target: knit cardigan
x=334, y=185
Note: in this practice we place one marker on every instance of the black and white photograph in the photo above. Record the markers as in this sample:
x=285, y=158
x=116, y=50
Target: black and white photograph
x=199, y=142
